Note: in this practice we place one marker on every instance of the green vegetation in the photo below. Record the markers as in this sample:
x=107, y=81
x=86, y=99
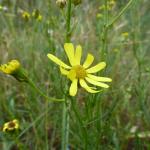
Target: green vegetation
x=113, y=31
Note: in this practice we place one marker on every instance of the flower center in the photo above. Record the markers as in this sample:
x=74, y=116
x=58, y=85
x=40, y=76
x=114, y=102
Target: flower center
x=11, y=125
x=80, y=71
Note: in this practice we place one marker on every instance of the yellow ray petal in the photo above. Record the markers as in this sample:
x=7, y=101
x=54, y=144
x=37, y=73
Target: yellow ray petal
x=86, y=87
x=89, y=60
x=63, y=71
x=73, y=87
x=78, y=54
x=58, y=61
x=69, y=49
x=96, y=68
x=97, y=83
x=96, y=78
x=71, y=75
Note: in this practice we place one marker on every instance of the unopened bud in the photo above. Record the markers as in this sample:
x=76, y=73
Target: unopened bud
x=26, y=16
x=14, y=68
x=77, y=2
x=36, y=14
x=61, y=3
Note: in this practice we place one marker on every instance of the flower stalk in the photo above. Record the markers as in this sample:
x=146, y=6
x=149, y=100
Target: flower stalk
x=68, y=21
x=31, y=83
x=65, y=124
x=65, y=111
x=105, y=32
x=120, y=13
x=15, y=69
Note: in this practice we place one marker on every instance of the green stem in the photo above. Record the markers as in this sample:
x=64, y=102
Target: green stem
x=78, y=116
x=66, y=107
x=104, y=35
x=42, y=94
x=65, y=126
x=120, y=13
x=68, y=21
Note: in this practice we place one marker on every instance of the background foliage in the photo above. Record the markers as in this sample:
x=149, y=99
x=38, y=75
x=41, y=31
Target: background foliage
x=105, y=120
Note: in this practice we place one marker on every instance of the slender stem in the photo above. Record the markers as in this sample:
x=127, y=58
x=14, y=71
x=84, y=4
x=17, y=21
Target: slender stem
x=63, y=142
x=78, y=116
x=46, y=123
x=66, y=107
x=65, y=126
x=120, y=13
x=104, y=34
x=68, y=21
x=42, y=94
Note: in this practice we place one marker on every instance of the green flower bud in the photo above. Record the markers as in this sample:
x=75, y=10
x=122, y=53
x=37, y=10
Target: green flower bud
x=26, y=16
x=61, y=3
x=36, y=14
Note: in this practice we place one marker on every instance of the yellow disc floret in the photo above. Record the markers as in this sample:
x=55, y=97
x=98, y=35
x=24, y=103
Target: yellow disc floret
x=11, y=125
x=80, y=71
x=77, y=72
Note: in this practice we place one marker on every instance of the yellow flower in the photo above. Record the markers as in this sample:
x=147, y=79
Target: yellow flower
x=11, y=125
x=26, y=15
x=39, y=18
x=125, y=34
x=10, y=67
x=36, y=14
x=14, y=68
x=80, y=73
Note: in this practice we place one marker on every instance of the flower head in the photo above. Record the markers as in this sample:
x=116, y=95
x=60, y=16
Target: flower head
x=80, y=73
x=61, y=3
x=125, y=34
x=14, y=68
x=10, y=67
x=36, y=14
x=11, y=125
x=26, y=16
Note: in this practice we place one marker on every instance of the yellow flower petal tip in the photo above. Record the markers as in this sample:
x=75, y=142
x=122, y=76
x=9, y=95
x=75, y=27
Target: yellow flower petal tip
x=69, y=49
x=11, y=125
x=89, y=60
x=97, y=67
x=110, y=80
x=73, y=87
x=57, y=61
x=82, y=73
